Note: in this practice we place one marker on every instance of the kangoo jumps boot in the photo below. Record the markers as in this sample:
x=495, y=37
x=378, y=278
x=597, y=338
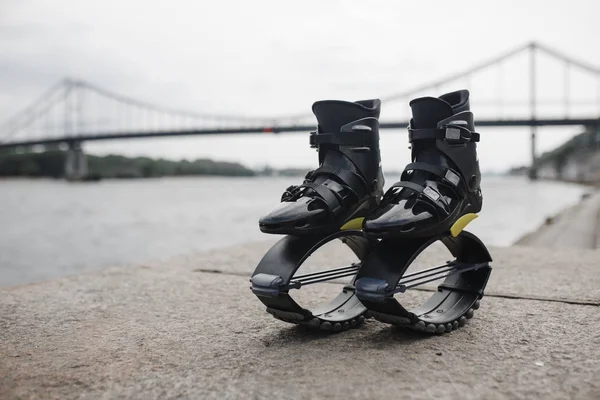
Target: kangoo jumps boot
x=442, y=183
x=348, y=182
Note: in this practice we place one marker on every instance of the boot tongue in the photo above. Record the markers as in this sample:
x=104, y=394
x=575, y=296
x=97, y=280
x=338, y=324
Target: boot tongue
x=333, y=114
x=428, y=111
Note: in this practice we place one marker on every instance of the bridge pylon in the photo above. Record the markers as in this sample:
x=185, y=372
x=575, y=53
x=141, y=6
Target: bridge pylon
x=76, y=167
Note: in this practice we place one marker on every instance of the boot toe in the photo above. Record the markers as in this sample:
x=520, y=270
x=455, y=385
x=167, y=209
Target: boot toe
x=397, y=218
x=290, y=216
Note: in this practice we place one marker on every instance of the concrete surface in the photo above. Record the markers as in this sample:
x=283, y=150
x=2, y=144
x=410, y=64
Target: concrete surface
x=565, y=274
x=578, y=227
x=190, y=328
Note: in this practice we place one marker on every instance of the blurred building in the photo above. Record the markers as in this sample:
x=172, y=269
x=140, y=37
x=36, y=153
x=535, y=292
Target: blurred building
x=578, y=160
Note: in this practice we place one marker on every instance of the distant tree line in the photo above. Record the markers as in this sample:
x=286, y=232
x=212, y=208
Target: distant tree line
x=51, y=164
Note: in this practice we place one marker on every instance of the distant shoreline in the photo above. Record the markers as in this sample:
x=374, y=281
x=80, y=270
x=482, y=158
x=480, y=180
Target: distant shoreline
x=50, y=164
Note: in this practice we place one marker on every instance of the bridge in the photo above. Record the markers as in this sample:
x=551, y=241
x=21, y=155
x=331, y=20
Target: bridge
x=74, y=111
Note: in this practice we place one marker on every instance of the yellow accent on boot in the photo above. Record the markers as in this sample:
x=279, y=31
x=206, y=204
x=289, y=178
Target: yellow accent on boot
x=353, y=224
x=461, y=223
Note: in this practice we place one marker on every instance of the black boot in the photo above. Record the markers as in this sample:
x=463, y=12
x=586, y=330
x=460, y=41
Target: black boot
x=443, y=181
x=347, y=184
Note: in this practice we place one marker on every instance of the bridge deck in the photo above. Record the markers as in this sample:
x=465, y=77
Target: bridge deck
x=592, y=121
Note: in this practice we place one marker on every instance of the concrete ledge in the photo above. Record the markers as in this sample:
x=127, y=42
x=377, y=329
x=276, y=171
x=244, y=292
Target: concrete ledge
x=175, y=330
x=564, y=275
x=575, y=228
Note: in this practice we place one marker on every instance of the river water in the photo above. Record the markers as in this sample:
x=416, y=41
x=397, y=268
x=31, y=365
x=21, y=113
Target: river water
x=53, y=228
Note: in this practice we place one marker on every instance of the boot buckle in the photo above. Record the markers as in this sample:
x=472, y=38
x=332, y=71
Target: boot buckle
x=431, y=193
x=452, y=177
x=312, y=141
x=455, y=134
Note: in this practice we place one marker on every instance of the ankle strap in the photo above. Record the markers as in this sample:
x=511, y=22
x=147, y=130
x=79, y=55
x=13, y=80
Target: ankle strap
x=360, y=139
x=453, y=134
x=447, y=175
x=428, y=192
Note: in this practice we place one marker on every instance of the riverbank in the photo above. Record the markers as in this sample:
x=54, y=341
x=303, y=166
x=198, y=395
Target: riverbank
x=51, y=164
x=577, y=160
x=577, y=227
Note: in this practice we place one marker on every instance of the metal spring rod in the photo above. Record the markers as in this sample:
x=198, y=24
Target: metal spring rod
x=323, y=279
x=421, y=276
x=448, y=264
x=327, y=271
x=452, y=272
x=329, y=276
x=428, y=280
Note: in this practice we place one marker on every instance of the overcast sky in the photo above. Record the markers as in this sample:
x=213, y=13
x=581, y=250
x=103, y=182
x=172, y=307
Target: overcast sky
x=278, y=57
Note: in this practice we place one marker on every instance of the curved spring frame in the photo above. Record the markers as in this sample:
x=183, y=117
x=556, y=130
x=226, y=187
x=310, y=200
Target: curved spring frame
x=457, y=297
x=378, y=277
x=275, y=276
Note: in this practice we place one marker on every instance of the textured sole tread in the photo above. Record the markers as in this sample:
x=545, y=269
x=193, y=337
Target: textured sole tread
x=422, y=326
x=317, y=323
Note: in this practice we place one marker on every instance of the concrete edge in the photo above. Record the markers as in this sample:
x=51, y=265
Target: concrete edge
x=554, y=225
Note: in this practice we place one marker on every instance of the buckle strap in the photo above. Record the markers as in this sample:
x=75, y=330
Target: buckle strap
x=408, y=185
x=453, y=134
x=342, y=178
x=447, y=175
x=352, y=180
x=427, y=191
x=333, y=203
x=437, y=170
x=359, y=138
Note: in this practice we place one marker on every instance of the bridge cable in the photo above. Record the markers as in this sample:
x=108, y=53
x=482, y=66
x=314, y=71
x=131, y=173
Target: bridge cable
x=30, y=115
